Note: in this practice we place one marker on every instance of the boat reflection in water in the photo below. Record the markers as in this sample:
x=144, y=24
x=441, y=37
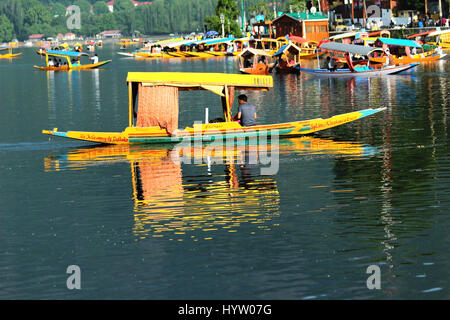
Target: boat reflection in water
x=222, y=190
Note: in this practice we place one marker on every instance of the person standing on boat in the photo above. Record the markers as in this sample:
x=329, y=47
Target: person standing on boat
x=94, y=59
x=246, y=112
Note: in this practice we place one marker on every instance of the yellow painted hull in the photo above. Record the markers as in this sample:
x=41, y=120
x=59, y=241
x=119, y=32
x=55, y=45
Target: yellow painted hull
x=147, y=55
x=196, y=54
x=9, y=56
x=408, y=60
x=217, y=53
x=213, y=131
x=67, y=68
x=173, y=55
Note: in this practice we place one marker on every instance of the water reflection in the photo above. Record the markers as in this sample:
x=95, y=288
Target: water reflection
x=96, y=81
x=51, y=96
x=223, y=191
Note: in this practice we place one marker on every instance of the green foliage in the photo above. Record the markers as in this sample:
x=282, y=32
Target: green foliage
x=100, y=7
x=6, y=28
x=123, y=5
x=297, y=5
x=162, y=16
x=412, y=4
x=84, y=5
x=58, y=10
x=229, y=9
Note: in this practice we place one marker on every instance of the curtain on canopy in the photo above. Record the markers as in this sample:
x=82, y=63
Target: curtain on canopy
x=158, y=106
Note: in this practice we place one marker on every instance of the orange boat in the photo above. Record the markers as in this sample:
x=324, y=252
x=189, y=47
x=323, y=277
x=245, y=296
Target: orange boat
x=255, y=61
x=405, y=52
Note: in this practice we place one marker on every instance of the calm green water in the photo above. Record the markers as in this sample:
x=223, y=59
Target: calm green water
x=142, y=226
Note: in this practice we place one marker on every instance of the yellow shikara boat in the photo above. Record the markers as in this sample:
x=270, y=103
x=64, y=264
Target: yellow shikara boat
x=408, y=57
x=67, y=60
x=440, y=38
x=126, y=42
x=155, y=120
x=10, y=53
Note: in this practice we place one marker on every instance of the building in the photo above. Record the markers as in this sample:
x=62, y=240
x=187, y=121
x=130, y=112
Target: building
x=36, y=37
x=109, y=34
x=311, y=26
x=70, y=36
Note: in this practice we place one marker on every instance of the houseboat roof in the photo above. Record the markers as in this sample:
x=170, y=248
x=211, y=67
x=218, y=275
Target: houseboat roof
x=300, y=16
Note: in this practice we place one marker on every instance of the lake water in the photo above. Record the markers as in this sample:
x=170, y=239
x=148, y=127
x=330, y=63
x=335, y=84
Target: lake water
x=141, y=225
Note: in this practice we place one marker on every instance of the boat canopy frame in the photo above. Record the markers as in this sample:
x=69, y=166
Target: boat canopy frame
x=399, y=42
x=218, y=83
x=68, y=55
x=349, y=48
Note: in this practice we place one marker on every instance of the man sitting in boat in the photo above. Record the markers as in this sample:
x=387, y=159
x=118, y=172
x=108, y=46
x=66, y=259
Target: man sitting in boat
x=330, y=65
x=246, y=112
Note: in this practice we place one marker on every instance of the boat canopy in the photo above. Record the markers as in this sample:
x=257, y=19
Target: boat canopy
x=419, y=34
x=399, y=42
x=254, y=52
x=166, y=43
x=65, y=53
x=285, y=48
x=210, y=41
x=299, y=40
x=380, y=33
x=193, y=80
x=349, y=48
x=343, y=35
x=217, y=41
x=438, y=32
x=177, y=43
x=157, y=94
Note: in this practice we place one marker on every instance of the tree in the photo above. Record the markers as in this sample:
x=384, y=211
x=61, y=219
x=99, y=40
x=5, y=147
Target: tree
x=38, y=14
x=84, y=5
x=100, y=7
x=6, y=29
x=107, y=22
x=297, y=5
x=122, y=5
x=230, y=11
x=58, y=10
x=13, y=10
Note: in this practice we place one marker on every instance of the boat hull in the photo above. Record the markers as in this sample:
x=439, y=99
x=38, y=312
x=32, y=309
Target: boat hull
x=259, y=69
x=408, y=60
x=66, y=67
x=9, y=56
x=213, y=131
x=341, y=73
x=126, y=54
